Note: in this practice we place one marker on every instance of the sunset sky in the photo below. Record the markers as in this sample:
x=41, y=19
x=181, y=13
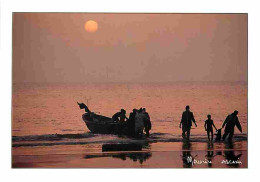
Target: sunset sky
x=56, y=47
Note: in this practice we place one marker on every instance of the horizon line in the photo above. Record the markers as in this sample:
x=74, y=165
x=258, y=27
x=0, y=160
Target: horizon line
x=131, y=82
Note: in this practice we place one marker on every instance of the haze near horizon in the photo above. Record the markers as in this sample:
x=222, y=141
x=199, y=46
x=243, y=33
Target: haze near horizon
x=55, y=47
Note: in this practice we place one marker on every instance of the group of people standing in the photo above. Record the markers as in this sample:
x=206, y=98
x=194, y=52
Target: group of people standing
x=137, y=123
x=229, y=124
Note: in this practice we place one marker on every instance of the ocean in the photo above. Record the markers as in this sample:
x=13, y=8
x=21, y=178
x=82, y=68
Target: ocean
x=48, y=130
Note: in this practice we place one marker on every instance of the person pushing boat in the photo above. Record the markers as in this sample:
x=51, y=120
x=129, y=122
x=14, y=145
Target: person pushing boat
x=131, y=123
x=229, y=124
x=139, y=122
x=147, y=122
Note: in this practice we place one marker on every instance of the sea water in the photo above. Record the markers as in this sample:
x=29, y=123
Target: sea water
x=46, y=118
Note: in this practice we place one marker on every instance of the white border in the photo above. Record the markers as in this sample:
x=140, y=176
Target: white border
x=171, y=6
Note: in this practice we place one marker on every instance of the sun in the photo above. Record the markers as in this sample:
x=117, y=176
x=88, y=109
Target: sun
x=91, y=26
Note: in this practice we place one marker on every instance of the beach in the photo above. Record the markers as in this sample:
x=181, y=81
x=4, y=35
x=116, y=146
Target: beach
x=159, y=154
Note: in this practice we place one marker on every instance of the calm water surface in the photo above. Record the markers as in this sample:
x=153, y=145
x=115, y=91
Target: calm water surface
x=51, y=108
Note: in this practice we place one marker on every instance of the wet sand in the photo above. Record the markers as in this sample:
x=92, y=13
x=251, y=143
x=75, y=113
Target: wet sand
x=154, y=155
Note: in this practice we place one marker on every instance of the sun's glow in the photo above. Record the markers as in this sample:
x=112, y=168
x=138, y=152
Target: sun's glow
x=91, y=26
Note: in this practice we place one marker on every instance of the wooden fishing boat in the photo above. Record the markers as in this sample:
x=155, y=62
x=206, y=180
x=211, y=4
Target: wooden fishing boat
x=102, y=124
x=105, y=125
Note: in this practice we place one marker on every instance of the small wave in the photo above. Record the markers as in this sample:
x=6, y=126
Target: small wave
x=24, y=141
x=194, y=139
x=51, y=137
x=158, y=134
x=67, y=130
x=48, y=144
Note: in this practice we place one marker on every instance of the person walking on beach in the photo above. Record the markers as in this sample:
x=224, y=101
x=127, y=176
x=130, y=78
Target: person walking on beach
x=208, y=127
x=186, y=122
x=229, y=124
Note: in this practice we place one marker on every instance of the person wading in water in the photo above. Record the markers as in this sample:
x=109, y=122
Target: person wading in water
x=186, y=122
x=209, y=127
x=147, y=123
x=131, y=123
x=229, y=124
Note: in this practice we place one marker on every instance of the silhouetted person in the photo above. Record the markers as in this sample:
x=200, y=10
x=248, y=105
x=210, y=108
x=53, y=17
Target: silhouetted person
x=229, y=124
x=147, y=122
x=209, y=127
x=186, y=122
x=119, y=116
x=139, y=122
x=131, y=123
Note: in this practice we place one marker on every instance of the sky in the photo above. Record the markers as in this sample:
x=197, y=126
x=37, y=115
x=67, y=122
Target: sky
x=146, y=48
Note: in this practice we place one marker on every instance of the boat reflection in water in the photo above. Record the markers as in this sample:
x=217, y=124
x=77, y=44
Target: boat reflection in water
x=124, y=151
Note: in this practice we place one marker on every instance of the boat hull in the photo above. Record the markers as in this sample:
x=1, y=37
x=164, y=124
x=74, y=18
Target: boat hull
x=102, y=125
